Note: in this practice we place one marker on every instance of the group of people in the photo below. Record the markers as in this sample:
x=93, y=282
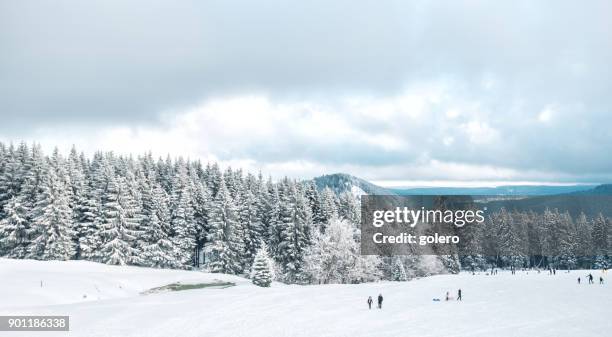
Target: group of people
x=590, y=278
x=380, y=300
x=448, y=297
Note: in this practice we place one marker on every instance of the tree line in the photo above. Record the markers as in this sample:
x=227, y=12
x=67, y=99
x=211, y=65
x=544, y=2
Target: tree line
x=526, y=239
x=175, y=214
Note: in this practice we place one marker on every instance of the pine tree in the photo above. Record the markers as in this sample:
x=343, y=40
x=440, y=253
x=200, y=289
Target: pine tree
x=223, y=243
x=600, y=241
x=249, y=217
x=567, y=241
x=583, y=248
x=349, y=208
x=154, y=245
x=14, y=230
x=183, y=223
x=261, y=272
x=314, y=201
x=119, y=230
x=200, y=204
x=399, y=273
x=9, y=169
x=285, y=233
x=52, y=231
x=328, y=207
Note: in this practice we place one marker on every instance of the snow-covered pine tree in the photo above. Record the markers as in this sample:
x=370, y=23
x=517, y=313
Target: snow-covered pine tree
x=201, y=200
x=14, y=230
x=87, y=224
x=249, y=217
x=294, y=227
x=471, y=247
x=183, y=223
x=328, y=207
x=119, y=230
x=285, y=232
x=52, y=229
x=9, y=169
x=32, y=172
x=549, y=235
x=78, y=189
x=399, y=273
x=510, y=239
x=222, y=242
x=349, y=209
x=304, y=227
x=261, y=271
x=314, y=201
x=583, y=248
x=567, y=241
x=213, y=178
x=272, y=218
x=600, y=242
x=158, y=250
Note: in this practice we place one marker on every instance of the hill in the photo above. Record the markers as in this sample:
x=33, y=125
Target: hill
x=342, y=182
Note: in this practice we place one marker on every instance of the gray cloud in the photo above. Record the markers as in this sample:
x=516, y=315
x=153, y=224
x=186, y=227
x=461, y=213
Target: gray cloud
x=530, y=79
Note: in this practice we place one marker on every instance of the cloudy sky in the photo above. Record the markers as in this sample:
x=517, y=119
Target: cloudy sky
x=398, y=92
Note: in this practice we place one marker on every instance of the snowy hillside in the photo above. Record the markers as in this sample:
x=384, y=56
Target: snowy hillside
x=341, y=182
x=503, y=305
x=80, y=281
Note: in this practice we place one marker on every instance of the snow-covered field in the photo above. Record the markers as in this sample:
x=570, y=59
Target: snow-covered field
x=107, y=301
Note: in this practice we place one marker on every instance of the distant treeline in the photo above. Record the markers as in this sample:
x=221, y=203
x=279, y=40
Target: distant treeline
x=528, y=239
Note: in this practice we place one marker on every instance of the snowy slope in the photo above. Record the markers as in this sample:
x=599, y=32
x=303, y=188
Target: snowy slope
x=80, y=281
x=503, y=305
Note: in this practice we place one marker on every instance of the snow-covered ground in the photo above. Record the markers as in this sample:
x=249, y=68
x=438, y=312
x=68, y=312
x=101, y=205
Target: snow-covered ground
x=503, y=305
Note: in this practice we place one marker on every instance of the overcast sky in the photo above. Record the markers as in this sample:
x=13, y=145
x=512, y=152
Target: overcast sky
x=398, y=92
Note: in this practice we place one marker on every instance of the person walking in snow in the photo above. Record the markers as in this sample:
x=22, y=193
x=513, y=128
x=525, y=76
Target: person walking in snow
x=600, y=280
x=370, y=302
x=459, y=295
x=590, y=276
x=380, y=299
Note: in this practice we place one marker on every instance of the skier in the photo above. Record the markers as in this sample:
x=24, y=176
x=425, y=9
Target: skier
x=590, y=276
x=370, y=302
x=459, y=295
x=579, y=280
x=600, y=280
x=447, y=296
x=380, y=299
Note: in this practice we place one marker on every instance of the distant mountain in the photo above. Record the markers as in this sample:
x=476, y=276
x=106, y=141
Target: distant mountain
x=521, y=190
x=590, y=199
x=342, y=182
x=605, y=189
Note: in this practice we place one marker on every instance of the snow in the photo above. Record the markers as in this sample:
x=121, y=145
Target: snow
x=503, y=305
x=357, y=191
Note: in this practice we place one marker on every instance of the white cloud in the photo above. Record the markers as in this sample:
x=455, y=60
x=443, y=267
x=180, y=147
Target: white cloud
x=480, y=132
x=546, y=114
